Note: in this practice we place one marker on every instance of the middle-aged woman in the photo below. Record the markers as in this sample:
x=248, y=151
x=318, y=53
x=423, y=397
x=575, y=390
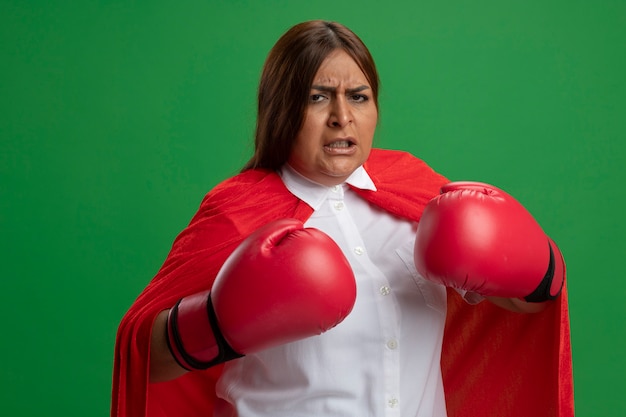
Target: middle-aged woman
x=222, y=331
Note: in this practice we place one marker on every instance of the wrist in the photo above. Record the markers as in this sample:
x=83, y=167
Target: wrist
x=550, y=286
x=193, y=335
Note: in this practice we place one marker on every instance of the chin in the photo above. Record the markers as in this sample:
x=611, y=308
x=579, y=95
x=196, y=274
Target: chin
x=337, y=177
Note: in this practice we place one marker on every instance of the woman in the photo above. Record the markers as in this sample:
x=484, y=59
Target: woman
x=314, y=162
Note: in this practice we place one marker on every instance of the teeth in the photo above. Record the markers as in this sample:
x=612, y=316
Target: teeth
x=339, y=144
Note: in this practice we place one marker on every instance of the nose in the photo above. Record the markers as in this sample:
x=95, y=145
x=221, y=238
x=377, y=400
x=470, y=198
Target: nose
x=340, y=115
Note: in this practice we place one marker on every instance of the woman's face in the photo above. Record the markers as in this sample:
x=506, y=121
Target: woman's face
x=339, y=123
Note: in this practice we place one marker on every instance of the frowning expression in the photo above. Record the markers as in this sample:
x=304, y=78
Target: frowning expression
x=340, y=120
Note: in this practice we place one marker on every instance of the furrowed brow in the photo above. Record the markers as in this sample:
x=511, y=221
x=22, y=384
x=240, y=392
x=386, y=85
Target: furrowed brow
x=329, y=89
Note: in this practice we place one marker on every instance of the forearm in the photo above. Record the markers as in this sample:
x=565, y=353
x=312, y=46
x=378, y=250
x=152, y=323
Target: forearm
x=163, y=366
x=517, y=305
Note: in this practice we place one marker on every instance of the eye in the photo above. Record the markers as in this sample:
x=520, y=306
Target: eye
x=316, y=98
x=359, y=98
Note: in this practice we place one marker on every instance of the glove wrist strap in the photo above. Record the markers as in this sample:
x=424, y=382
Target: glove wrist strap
x=193, y=335
x=550, y=286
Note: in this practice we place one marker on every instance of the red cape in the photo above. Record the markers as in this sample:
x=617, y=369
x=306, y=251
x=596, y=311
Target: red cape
x=494, y=362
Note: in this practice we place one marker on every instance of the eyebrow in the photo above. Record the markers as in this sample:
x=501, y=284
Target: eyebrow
x=334, y=89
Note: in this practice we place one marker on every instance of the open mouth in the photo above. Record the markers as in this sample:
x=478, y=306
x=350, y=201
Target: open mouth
x=340, y=144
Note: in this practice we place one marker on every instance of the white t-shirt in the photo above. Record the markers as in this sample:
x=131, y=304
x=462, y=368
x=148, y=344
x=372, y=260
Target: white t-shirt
x=383, y=360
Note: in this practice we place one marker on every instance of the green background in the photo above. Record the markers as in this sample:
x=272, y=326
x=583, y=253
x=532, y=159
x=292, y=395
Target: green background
x=117, y=117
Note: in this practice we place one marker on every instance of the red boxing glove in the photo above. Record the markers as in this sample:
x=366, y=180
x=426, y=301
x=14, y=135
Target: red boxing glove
x=476, y=237
x=283, y=283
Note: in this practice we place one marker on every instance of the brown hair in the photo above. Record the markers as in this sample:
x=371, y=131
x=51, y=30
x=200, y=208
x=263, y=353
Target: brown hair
x=286, y=82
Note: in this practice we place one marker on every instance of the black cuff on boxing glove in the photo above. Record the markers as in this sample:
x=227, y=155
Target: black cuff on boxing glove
x=552, y=283
x=193, y=334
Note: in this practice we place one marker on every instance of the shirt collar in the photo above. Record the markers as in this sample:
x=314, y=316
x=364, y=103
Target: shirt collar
x=313, y=193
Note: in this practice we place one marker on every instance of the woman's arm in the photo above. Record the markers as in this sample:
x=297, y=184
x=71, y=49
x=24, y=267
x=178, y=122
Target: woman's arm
x=517, y=305
x=163, y=366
